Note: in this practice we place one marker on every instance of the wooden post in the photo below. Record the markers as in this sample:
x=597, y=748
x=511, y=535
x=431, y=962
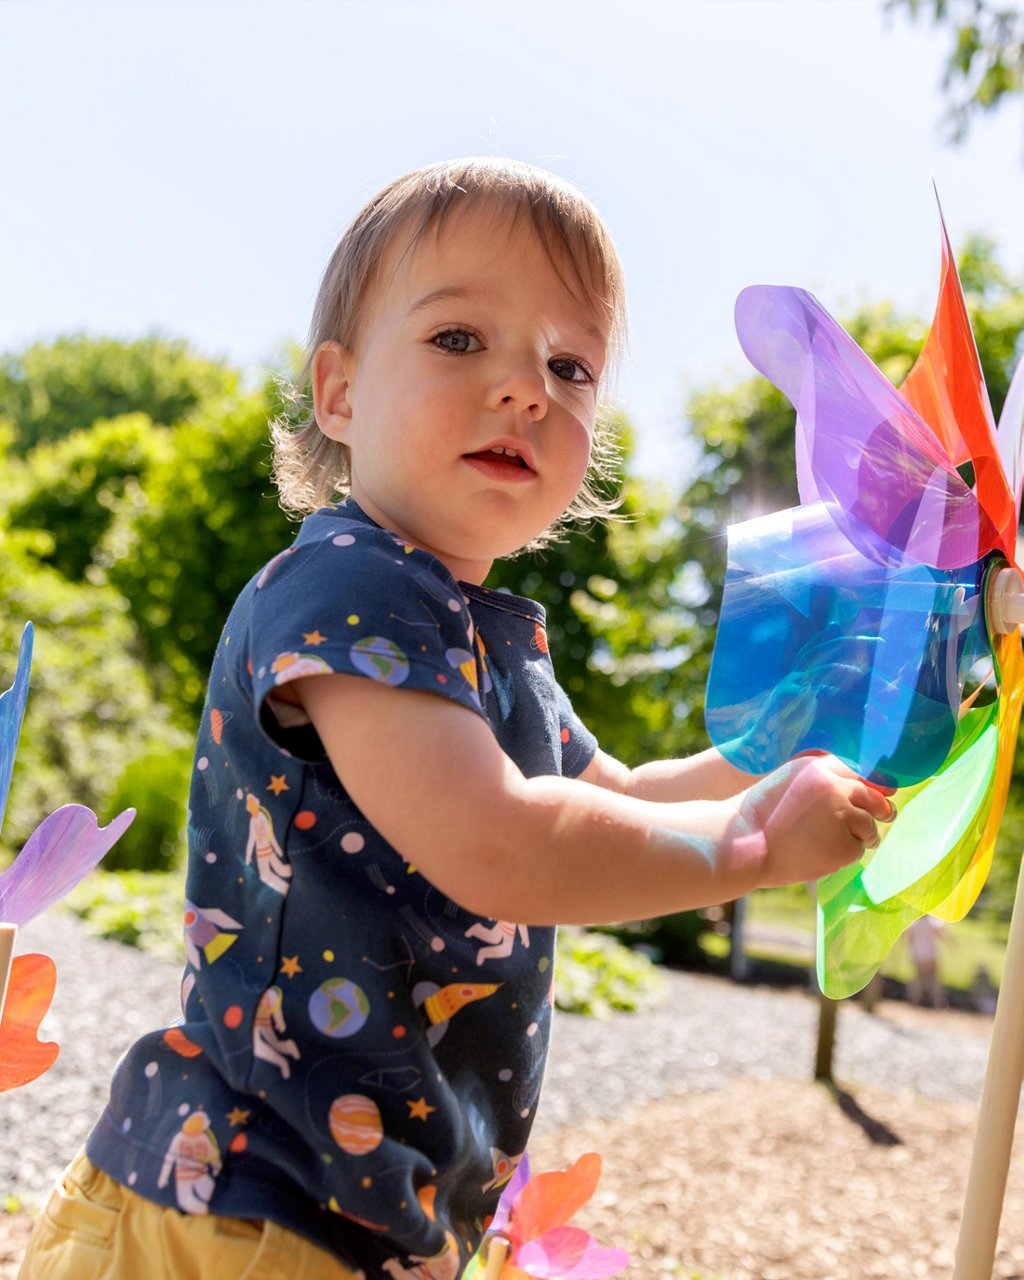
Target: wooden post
x=826, y=1037
x=997, y=1115
x=8, y=934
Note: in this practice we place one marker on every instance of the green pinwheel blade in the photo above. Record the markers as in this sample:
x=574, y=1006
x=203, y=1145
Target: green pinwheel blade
x=864, y=908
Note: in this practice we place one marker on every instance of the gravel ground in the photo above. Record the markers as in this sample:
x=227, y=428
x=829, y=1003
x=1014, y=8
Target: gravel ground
x=689, y=1099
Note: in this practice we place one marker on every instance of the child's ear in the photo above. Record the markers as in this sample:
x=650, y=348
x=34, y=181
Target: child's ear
x=333, y=366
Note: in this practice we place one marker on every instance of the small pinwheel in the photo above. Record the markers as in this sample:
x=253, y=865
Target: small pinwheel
x=881, y=612
x=530, y=1235
x=62, y=849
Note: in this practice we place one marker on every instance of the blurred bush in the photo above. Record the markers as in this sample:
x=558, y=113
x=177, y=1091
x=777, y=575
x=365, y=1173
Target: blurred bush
x=597, y=975
x=156, y=786
x=140, y=908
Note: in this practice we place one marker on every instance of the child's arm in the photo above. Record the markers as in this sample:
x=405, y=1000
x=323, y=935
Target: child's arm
x=707, y=776
x=432, y=779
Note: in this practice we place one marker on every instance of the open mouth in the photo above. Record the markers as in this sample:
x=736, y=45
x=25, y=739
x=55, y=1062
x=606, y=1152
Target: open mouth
x=501, y=457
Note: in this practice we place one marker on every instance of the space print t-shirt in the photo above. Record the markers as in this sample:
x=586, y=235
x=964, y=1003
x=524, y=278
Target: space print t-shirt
x=359, y=1058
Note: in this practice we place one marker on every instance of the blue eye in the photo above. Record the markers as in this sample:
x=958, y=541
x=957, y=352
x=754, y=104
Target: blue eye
x=457, y=341
x=570, y=370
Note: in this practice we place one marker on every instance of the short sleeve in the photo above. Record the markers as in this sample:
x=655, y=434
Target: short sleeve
x=578, y=743
x=356, y=602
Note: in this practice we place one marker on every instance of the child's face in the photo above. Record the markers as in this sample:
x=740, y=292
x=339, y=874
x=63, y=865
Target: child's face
x=471, y=343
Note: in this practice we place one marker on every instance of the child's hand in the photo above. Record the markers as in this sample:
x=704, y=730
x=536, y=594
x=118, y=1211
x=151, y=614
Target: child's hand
x=811, y=817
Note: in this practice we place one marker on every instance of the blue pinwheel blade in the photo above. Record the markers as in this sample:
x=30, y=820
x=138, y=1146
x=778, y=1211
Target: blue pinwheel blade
x=822, y=647
x=12, y=712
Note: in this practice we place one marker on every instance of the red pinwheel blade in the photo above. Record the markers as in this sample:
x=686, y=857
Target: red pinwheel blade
x=947, y=388
x=1010, y=434
x=863, y=449
x=550, y=1199
x=570, y=1253
x=23, y=1057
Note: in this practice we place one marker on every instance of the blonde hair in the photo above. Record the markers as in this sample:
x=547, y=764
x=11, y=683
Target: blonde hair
x=312, y=470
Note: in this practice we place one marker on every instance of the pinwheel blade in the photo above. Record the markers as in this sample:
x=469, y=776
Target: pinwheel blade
x=570, y=1253
x=12, y=712
x=935, y=858
x=510, y=1194
x=550, y=1199
x=23, y=1057
x=947, y=388
x=861, y=447
x=1010, y=666
x=861, y=656
x=62, y=849
x=1010, y=436
x=923, y=856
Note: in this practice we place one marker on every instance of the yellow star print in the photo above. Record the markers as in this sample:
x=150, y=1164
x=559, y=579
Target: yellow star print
x=313, y=637
x=290, y=966
x=277, y=784
x=420, y=1109
x=237, y=1116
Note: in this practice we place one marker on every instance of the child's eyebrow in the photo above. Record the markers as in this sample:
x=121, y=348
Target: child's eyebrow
x=461, y=292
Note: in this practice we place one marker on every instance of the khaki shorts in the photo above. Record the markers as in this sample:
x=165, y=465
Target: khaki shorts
x=92, y=1228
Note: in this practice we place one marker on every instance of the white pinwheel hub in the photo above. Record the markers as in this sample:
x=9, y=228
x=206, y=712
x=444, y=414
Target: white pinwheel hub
x=1005, y=603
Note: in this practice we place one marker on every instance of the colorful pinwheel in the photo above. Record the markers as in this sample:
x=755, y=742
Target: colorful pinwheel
x=869, y=610
x=530, y=1235
x=62, y=849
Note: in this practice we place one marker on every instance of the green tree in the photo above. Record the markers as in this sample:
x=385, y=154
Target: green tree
x=73, y=487
x=183, y=546
x=51, y=388
x=985, y=64
x=92, y=708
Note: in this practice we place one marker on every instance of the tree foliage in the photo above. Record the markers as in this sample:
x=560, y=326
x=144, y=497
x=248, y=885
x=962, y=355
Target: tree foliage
x=985, y=64
x=51, y=388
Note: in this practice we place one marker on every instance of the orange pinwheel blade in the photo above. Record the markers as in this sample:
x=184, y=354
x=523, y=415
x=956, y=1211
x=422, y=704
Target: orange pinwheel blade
x=550, y=1199
x=23, y=1057
x=946, y=388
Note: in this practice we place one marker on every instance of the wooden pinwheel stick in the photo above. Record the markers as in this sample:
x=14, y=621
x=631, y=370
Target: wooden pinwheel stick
x=997, y=1115
x=497, y=1254
x=8, y=934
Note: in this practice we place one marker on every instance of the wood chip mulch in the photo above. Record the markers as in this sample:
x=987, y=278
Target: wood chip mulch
x=770, y=1180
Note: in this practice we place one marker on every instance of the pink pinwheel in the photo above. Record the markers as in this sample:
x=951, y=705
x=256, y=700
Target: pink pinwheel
x=59, y=853
x=533, y=1216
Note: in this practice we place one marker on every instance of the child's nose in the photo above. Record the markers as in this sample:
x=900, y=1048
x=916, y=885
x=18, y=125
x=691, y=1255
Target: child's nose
x=524, y=390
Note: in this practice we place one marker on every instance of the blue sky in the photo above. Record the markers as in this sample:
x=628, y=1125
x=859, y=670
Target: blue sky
x=187, y=167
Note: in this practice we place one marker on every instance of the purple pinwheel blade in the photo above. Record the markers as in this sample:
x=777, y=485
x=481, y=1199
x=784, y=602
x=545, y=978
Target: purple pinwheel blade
x=861, y=447
x=509, y=1196
x=823, y=648
x=12, y=712
x=61, y=851
x=569, y=1253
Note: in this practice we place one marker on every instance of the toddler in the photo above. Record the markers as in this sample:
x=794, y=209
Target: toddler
x=393, y=802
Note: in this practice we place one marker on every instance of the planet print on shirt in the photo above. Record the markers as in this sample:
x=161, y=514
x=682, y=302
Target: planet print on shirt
x=355, y=1124
x=338, y=1008
x=380, y=659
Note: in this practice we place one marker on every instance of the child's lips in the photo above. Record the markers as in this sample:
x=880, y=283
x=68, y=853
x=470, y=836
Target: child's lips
x=500, y=466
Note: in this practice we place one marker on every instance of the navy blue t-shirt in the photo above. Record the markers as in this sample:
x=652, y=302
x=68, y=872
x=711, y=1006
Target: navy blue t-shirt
x=359, y=1058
